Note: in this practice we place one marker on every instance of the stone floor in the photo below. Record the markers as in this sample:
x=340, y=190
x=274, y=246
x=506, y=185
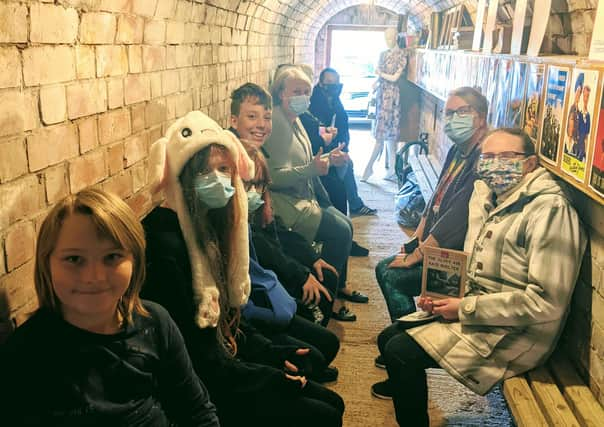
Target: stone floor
x=451, y=404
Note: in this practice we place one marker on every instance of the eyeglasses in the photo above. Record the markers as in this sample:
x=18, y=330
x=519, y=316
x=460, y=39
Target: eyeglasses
x=502, y=155
x=462, y=111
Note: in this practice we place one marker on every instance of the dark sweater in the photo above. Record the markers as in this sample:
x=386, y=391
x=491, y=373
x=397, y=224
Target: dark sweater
x=55, y=374
x=450, y=224
x=229, y=380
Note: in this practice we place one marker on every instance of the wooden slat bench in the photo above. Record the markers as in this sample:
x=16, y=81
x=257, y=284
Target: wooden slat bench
x=425, y=166
x=552, y=395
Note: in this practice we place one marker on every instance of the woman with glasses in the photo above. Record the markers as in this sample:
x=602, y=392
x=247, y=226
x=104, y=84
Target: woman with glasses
x=445, y=220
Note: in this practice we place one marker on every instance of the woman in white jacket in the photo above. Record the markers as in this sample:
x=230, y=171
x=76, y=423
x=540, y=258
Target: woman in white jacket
x=525, y=245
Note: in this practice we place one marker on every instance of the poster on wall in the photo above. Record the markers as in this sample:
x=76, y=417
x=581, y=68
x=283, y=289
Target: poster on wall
x=579, y=118
x=515, y=107
x=534, y=91
x=596, y=178
x=553, y=113
x=502, y=96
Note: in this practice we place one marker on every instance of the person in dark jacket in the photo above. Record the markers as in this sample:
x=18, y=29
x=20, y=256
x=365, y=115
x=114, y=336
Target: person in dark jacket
x=198, y=254
x=445, y=219
x=94, y=353
x=326, y=106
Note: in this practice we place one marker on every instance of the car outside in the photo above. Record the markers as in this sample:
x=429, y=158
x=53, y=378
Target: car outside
x=356, y=95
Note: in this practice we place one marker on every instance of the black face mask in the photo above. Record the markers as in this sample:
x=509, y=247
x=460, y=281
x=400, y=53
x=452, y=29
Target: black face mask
x=333, y=89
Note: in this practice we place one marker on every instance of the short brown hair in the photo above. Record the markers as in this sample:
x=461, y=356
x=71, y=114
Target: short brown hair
x=474, y=98
x=528, y=147
x=113, y=219
x=250, y=91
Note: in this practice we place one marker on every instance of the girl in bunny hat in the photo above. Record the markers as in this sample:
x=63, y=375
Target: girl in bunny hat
x=198, y=262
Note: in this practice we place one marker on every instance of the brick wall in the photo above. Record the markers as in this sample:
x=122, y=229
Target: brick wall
x=87, y=85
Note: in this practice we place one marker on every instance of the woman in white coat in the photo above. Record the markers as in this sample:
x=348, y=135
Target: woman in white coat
x=525, y=245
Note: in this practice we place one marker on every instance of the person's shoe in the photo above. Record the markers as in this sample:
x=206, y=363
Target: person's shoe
x=363, y=211
x=354, y=296
x=380, y=362
x=358, y=250
x=382, y=390
x=344, y=315
x=329, y=374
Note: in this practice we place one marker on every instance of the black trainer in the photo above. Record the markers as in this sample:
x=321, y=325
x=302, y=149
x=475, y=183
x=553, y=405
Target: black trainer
x=358, y=250
x=382, y=390
x=380, y=362
x=329, y=374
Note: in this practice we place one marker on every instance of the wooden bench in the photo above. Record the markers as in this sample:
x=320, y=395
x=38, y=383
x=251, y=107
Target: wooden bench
x=427, y=170
x=552, y=395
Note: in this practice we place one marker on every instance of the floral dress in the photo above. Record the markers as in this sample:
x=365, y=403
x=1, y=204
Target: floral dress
x=388, y=102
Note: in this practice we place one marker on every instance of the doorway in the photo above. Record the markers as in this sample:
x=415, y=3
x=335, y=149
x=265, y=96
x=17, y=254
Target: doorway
x=353, y=51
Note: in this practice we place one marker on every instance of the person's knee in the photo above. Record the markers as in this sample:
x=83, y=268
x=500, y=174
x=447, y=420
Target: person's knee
x=332, y=346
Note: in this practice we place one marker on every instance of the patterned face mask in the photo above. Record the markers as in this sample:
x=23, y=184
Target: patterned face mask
x=214, y=189
x=499, y=173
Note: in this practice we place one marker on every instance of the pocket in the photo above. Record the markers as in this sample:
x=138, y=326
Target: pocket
x=483, y=339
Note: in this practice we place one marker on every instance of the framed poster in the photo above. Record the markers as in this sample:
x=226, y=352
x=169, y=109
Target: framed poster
x=515, y=107
x=553, y=113
x=444, y=273
x=579, y=118
x=534, y=93
x=596, y=176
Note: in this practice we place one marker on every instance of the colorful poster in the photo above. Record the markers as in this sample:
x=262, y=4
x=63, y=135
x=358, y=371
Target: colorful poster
x=581, y=112
x=596, y=179
x=534, y=91
x=553, y=114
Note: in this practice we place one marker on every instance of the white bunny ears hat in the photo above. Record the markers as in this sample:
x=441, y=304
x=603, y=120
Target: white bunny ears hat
x=168, y=156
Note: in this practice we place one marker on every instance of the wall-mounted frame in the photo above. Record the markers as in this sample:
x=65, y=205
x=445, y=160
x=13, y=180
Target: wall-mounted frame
x=550, y=82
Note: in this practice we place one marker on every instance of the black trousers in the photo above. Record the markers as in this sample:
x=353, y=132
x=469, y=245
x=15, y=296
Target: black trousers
x=323, y=343
x=335, y=232
x=314, y=406
x=406, y=363
x=336, y=190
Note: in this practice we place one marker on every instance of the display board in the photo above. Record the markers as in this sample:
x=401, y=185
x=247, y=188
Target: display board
x=556, y=100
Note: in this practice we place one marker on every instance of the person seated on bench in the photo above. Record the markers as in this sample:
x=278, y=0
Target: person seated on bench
x=299, y=198
x=94, y=353
x=525, y=244
x=444, y=221
x=299, y=268
x=199, y=269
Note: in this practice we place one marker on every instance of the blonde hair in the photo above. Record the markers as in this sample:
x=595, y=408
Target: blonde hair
x=282, y=75
x=113, y=219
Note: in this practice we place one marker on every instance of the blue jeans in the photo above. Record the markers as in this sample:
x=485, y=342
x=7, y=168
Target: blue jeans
x=352, y=193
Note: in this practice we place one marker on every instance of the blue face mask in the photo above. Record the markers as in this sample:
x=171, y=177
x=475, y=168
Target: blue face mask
x=460, y=128
x=299, y=104
x=214, y=189
x=254, y=201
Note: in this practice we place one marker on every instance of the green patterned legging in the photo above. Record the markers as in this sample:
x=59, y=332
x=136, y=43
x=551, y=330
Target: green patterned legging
x=399, y=286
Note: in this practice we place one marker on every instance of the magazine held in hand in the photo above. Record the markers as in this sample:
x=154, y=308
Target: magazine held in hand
x=443, y=276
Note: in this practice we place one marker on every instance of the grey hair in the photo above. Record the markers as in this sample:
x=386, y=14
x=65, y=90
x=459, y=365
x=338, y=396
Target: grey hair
x=282, y=76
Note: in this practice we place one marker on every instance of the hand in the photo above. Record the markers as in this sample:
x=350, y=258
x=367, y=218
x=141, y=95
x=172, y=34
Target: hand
x=312, y=290
x=447, y=308
x=332, y=130
x=289, y=366
x=319, y=265
x=321, y=165
x=426, y=304
x=404, y=260
x=302, y=380
x=337, y=157
x=327, y=137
